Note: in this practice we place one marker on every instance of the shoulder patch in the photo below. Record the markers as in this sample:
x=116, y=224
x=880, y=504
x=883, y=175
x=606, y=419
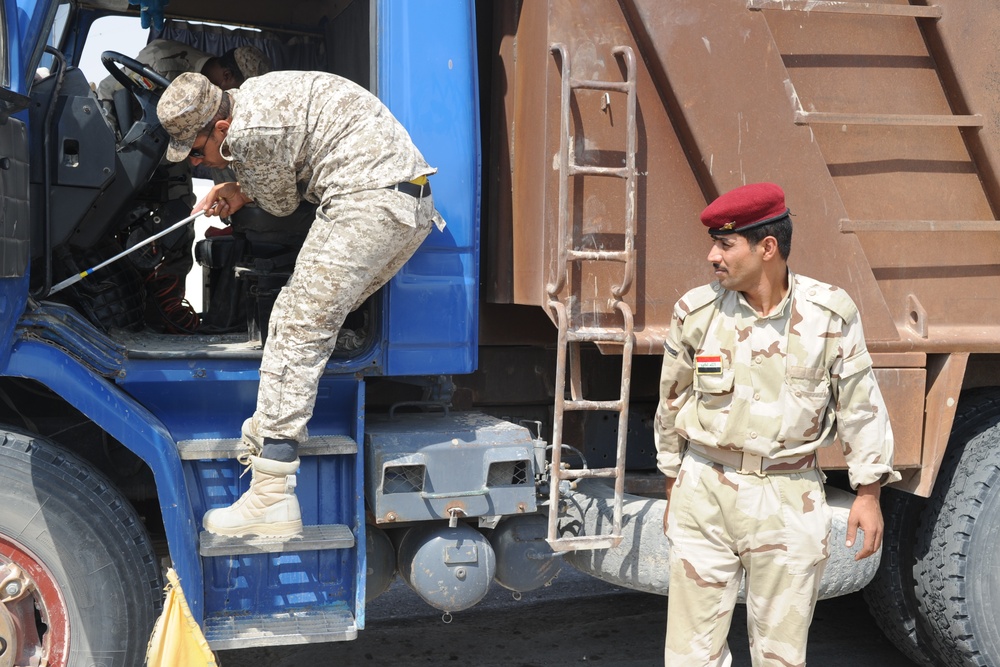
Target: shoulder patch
x=827, y=296
x=698, y=298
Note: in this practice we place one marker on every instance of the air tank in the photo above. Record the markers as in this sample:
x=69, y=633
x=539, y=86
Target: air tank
x=449, y=567
x=525, y=561
x=381, y=562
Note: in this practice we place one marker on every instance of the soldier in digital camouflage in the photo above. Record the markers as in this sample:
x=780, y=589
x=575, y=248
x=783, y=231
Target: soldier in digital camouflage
x=167, y=309
x=289, y=137
x=171, y=59
x=761, y=368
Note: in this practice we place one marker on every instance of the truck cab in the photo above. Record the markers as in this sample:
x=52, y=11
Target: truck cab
x=124, y=419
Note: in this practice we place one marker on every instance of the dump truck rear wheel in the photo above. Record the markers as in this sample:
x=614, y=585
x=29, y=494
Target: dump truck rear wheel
x=891, y=595
x=79, y=582
x=957, y=569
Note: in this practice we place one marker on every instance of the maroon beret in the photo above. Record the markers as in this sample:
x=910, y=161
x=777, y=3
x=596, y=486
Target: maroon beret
x=745, y=208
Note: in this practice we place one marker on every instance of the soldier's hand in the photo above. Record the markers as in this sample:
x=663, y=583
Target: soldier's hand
x=222, y=200
x=867, y=515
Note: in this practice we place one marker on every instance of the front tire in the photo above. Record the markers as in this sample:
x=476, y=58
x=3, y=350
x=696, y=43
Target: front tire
x=957, y=557
x=77, y=549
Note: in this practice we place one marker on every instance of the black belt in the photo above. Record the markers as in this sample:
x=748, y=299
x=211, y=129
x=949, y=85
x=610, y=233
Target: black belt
x=412, y=189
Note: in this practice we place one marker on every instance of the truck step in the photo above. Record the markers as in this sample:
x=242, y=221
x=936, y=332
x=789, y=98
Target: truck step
x=313, y=538
x=281, y=629
x=230, y=448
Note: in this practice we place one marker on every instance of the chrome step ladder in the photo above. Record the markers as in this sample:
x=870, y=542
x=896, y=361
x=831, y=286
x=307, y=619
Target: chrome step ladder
x=571, y=334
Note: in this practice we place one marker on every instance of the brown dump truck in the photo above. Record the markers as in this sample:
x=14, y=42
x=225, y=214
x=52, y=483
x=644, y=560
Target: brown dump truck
x=614, y=124
x=577, y=142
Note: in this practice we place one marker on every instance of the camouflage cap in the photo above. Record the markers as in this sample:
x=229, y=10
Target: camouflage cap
x=184, y=109
x=251, y=61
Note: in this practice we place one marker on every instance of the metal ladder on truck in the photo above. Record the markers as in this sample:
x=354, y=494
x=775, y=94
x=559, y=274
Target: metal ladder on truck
x=571, y=335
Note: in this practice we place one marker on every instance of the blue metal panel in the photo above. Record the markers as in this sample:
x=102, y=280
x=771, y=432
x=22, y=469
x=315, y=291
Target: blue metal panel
x=30, y=19
x=269, y=583
x=427, y=78
x=13, y=298
x=360, y=538
x=328, y=487
x=136, y=428
x=210, y=398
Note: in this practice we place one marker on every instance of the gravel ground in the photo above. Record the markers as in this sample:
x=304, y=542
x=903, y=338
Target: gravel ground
x=576, y=620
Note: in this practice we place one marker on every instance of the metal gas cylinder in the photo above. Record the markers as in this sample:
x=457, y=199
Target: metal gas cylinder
x=449, y=567
x=525, y=561
x=381, y=562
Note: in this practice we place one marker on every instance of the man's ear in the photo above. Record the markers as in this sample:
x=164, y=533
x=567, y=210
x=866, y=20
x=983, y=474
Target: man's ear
x=769, y=247
x=222, y=126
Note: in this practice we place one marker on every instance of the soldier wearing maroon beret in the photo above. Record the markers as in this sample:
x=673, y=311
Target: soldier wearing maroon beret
x=760, y=369
x=745, y=208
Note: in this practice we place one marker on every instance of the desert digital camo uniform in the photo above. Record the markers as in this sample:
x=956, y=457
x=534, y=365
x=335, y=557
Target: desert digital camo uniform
x=779, y=387
x=165, y=57
x=324, y=139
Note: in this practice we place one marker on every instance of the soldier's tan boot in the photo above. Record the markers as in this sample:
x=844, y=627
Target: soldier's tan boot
x=269, y=507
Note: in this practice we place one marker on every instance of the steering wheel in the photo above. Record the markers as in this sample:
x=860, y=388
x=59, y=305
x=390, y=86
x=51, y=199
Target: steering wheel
x=112, y=59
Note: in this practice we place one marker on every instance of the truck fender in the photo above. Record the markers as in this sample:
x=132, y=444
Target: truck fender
x=138, y=430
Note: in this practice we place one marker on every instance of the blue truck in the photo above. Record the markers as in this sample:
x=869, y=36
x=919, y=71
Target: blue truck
x=487, y=416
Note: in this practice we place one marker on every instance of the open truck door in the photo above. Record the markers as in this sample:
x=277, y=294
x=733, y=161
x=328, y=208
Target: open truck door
x=21, y=22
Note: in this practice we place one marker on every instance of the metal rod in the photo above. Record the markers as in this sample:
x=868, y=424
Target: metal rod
x=831, y=7
x=72, y=280
x=850, y=226
x=894, y=119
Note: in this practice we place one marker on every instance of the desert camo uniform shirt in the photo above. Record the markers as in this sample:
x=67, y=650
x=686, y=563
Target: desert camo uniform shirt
x=312, y=135
x=166, y=57
x=778, y=386
x=318, y=137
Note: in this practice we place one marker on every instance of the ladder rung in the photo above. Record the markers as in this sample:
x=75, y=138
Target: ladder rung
x=589, y=473
x=585, y=542
x=597, y=255
x=923, y=120
x=849, y=226
x=591, y=84
x=871, y=8
x=596, y=336
x=230, y=448
x=578, y=170
x=313, y=538
x=306, y=626
x=592, y=405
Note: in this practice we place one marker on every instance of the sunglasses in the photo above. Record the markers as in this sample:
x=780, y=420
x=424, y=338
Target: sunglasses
x=198, y=153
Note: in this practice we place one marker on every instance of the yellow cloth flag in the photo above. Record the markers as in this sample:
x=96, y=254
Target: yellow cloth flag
x=177, y=639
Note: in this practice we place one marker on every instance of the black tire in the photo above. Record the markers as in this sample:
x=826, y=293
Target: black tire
x=957, y=554
x=69, y=521
x=891, y=595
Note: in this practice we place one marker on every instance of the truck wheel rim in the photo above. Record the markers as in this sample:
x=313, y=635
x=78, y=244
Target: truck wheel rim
x=37, y=617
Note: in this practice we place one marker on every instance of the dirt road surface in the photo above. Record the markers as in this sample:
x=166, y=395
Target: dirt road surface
x=575, y=621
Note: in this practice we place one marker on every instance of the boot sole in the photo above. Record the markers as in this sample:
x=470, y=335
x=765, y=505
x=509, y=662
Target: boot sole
x=277, y=529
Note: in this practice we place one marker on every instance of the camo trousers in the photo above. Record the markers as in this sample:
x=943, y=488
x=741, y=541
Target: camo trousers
x=720, y=524
x=355, y=245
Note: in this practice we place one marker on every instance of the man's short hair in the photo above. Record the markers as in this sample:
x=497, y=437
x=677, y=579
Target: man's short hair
x=225, y=110
x=780, y=229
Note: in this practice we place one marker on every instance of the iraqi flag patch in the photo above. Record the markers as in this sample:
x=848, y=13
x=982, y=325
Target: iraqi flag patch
x=708, y=365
